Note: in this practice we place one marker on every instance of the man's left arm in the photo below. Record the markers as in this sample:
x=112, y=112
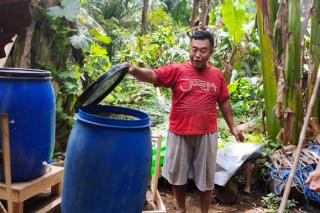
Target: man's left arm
x=226, y=111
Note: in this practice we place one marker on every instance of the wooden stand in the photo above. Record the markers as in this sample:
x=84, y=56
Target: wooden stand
x=15, y=194
x=25, y=190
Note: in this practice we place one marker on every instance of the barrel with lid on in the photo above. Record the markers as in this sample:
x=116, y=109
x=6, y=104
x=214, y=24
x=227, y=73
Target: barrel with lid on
x=108, y=153
x=27, y=96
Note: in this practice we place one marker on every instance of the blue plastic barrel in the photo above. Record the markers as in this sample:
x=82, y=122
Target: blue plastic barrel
x=27, y=96
x=107, y=162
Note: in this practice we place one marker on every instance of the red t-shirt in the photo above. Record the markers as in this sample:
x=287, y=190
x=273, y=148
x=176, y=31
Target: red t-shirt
x=194, y=97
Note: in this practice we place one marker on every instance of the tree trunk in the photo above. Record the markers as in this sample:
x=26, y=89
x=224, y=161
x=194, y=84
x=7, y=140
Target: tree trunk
x=195, y=8
x=204, y=19
x=25, y=58
x=293, y=98
x=315, y=54
x=144, y=16
x=279, y=41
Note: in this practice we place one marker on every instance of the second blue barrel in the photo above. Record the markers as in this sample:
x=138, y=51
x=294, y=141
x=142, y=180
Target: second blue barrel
x=27, y=96
x=107, y=161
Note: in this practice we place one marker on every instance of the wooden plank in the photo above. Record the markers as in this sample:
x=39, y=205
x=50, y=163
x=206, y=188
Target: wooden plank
x=2, y=208
x=52, y=203
x=18, y=207
x=40, y=184
x=25, y=190
x=160, y=205
x=56, y=189
x=3, y=194
x=154, y=183
x=6, y=159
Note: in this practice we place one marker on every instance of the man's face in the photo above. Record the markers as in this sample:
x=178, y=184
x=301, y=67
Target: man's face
x=199, y=54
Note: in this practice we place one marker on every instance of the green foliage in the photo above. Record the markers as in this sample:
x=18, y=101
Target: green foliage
x=235, y=17
x=271, y=146
x=247, y=58
x=69, y=9
x=100, y=37
x=165, y=43
x=225, y=138
x=272, y=203
x=246, y=96
x=158, y=17
x=180, y=10
x=251, y=136
x=154, y=49
x=254, y=137
x=80, y=41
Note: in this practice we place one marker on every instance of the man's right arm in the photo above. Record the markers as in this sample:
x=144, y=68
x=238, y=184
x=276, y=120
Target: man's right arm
x=143, y=74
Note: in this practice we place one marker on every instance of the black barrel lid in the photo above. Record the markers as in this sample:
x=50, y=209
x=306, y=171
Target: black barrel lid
x=101, y=87
x=24, y=73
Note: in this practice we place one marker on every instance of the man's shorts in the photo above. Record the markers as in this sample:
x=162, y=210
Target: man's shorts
x=191, y=157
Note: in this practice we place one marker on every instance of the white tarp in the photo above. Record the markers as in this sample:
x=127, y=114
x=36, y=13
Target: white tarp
x=231, y=157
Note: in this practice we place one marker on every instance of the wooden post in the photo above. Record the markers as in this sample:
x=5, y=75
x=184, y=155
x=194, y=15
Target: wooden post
x=157, y=169
x=6, y=158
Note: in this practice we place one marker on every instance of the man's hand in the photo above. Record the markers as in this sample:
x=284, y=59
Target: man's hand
x=131, y=68
x=237, y=134
x=314, y=180
x=226, y=111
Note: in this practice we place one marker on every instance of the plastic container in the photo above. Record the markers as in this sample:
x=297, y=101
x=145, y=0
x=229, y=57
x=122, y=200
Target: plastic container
x=27, y=97
x=108, y=159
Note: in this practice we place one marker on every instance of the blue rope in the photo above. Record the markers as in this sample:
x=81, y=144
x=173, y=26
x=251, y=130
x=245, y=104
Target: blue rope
x=280, y=177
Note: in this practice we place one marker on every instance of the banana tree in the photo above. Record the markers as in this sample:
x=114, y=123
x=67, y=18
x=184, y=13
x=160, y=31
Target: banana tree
x=280, y=39
x=315, y=53
x=293, y=111
x=266, y=16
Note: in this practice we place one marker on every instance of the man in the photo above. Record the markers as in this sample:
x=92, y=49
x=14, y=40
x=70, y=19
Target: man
x=192, y=139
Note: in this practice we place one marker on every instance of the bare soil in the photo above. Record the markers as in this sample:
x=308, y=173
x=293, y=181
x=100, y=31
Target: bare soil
x=249, y=203
x=246, y=203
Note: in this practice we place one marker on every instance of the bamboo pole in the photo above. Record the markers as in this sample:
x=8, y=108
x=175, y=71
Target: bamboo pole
x=4, y=122
x=299, y=148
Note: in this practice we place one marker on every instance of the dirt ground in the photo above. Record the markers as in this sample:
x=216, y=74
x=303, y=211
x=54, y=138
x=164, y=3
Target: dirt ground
x=246, y=203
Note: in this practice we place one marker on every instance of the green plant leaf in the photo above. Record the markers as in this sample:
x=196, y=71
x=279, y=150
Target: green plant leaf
x=80, y=41
x=69, y=9
x=101, y=37
x=97, y=49
x=234, y=16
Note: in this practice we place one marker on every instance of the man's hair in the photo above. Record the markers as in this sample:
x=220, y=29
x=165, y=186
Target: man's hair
x=202, y=35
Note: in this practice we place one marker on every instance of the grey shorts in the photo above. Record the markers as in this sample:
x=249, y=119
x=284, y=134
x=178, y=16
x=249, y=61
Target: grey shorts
x=191, y=157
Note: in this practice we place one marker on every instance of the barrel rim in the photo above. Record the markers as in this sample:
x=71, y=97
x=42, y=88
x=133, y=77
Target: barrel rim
x=24, y=73
x=88, y=114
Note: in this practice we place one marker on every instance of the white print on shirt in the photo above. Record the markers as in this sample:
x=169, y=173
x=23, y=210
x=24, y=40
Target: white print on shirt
x=205, y=86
